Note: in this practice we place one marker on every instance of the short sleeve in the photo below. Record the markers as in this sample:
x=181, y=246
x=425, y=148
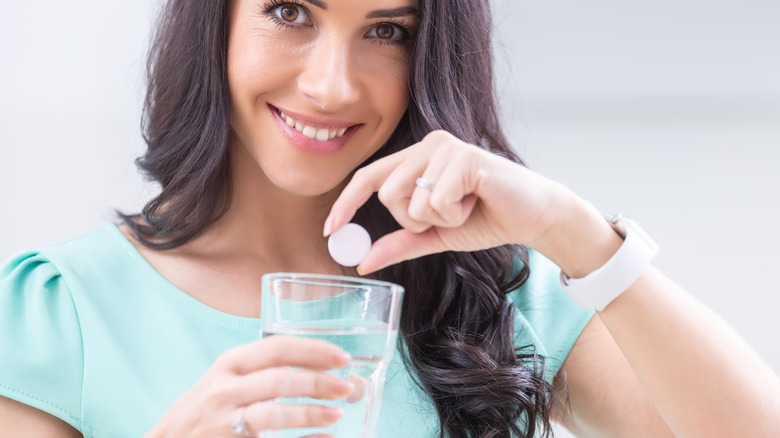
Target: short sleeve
x=547, y=317
x=41, y=354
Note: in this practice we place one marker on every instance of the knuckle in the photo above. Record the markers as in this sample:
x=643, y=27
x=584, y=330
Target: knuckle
x=360, y=176
x=443, y=206
x=219, y=394
x=313, y=415
x=386, y=196
x=417, y=211
x=275, y=356
x=279, y=381
x=225, y=360
x=321, y=384
x=271, y=415
x=303, y=384
x=417, y=227
x=438, y=135
x=437, y=202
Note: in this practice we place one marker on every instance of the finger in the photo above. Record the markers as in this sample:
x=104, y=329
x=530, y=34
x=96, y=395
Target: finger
x=455, y=185
x=277, y=351
x=276, y=382
x=360, y=385
x=398, y=188
x=272, y=416
x=364, y=183
x=399, y=246
x=453, y=197
x=420, y=207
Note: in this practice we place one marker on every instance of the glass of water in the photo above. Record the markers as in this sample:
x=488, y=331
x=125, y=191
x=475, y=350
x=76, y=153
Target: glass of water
x=361, y=316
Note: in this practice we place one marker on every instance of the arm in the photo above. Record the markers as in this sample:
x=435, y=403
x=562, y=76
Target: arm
x=240, y=377
x=700, y=375
x=596, y=385
x=21, y=421
x=702, y=379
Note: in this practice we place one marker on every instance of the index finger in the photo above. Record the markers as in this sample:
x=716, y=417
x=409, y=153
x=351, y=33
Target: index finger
x=277, y=351
x=363, y=184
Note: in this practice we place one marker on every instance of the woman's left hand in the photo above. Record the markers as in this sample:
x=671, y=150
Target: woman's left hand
x=479, y=200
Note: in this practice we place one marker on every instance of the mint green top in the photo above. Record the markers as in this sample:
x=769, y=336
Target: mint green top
x=92, y=334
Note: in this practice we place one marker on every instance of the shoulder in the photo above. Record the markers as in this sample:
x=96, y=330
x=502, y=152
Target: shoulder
x=97, y=248
x=41, y=336
x=547, y=317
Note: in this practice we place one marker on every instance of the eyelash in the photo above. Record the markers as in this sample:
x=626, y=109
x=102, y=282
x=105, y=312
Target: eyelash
x=408, y=34
x=271, y=7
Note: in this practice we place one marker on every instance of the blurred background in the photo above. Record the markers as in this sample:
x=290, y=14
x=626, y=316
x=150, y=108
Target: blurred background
x=666, y=111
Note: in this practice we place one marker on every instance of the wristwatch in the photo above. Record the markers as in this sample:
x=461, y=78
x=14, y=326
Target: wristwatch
x=600, y=287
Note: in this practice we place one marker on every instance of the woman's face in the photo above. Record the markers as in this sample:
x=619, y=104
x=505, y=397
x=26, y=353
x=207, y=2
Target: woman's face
x=317, y=86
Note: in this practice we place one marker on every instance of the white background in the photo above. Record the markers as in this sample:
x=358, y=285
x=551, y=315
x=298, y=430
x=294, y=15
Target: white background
x=667, y=111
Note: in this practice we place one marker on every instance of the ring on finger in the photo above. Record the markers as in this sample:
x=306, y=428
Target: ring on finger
x=424, y=183
x=238, y=424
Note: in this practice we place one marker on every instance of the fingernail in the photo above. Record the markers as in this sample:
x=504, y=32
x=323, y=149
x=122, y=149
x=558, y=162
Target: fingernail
x=328, y=226
x=364, y=269
x=343, y=386
x=342, y=357
x=332, y=414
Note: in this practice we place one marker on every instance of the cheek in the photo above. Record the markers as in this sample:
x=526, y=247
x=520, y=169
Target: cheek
x=256, y=67
x=388, y=84
x=259, y=65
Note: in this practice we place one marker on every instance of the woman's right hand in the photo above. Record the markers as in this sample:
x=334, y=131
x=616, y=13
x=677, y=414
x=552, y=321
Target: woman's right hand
x=250, y=377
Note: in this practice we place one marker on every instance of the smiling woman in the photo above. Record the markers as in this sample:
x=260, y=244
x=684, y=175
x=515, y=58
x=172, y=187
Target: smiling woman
x=270, y=124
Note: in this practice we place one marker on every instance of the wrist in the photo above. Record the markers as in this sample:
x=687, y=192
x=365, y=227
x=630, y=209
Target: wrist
x=600, y=287
x=578, y=239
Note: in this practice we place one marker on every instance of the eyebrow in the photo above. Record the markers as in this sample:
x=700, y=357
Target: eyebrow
x=395, y=12
x=379, y=13
x=318, y=4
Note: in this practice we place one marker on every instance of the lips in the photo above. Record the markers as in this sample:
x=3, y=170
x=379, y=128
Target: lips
x=314, y=130
x=321, y=134
x=314, y=134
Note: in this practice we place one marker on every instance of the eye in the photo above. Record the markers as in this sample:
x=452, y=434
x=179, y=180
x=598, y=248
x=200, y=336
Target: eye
x=290, y=13
x=388, y=32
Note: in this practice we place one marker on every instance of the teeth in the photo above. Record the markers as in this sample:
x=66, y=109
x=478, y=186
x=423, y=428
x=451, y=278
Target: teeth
x=310, y=132
x=288, y=119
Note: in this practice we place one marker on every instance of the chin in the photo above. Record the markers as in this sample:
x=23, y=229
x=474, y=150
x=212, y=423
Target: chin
x=309, y=186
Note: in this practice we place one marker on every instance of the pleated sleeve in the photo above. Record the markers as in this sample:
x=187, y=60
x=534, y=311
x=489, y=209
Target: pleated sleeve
x=41, y=352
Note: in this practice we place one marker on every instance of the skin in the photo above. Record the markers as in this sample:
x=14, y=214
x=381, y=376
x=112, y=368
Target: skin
x=654, y=363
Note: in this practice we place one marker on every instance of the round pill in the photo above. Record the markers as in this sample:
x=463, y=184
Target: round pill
x=349, y=244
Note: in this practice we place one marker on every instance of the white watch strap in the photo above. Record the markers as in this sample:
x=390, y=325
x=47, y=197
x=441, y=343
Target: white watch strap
x=600, y=287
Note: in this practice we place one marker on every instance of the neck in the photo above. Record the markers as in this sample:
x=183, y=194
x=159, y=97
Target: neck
x=268, y=227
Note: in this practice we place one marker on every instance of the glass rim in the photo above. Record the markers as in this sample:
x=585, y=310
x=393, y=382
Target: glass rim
x=328, y=277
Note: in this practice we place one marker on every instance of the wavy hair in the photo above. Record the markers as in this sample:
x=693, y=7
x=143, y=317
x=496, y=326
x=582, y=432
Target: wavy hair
x=457, y=323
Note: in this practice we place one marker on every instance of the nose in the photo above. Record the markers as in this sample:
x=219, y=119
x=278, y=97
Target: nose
x=329, y=79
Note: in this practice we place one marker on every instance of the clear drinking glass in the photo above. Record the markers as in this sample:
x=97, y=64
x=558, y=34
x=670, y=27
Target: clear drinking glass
x=359, y=315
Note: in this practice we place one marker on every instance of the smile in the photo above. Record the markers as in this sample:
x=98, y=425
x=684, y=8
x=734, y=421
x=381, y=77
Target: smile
x=318, y=134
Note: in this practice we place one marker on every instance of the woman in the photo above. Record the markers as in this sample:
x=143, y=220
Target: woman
x=257, y=116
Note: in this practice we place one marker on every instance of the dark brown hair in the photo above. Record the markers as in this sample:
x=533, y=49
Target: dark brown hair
x=457, y=323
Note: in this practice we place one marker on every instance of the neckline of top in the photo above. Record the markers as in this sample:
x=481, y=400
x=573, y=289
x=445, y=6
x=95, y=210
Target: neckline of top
x=180, y=295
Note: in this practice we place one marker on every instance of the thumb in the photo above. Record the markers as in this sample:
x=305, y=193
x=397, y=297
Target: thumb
x=399, y=246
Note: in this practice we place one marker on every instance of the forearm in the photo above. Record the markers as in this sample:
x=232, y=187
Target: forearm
x=702, y=377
